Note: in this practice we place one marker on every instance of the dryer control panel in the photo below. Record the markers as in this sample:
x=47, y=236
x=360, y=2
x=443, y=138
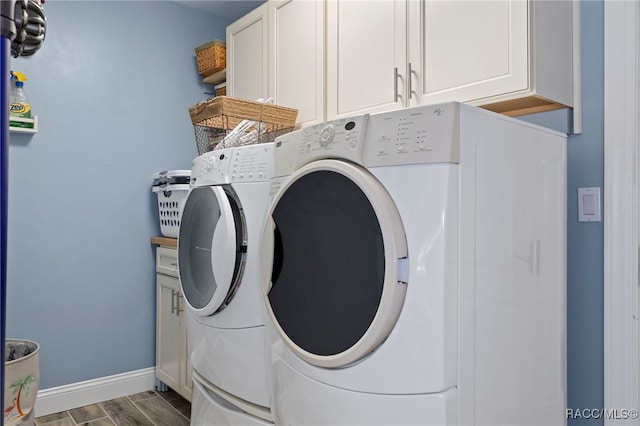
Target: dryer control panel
x=342, y=138
x=211, y=168
x=425, y=134
x=252, y=163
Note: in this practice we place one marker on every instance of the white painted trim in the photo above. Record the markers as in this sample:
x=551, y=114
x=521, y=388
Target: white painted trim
x=74, y=395
x=577, y=68
x=621, y=124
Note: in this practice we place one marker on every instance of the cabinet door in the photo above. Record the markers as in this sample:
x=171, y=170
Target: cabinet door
x=168, y=330
x=366, y=56
x=247, y=56
x=467, y=50
x=513, y=310
x=296, y=57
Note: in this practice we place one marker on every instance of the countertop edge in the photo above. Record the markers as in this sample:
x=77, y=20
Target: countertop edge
x=165, y=242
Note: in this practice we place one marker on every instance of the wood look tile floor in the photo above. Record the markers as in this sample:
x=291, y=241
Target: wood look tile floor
x=150, y=408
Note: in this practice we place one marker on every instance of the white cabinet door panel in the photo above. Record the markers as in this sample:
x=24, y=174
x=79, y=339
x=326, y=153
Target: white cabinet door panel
x=296, y=61
x=466, y=50
x=366, y=42
x=513, y=221
x=173, y=366
x=247, y=56
x=168, y=352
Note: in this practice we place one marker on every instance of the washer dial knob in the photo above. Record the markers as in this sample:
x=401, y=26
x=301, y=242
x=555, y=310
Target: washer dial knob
x=327, y=134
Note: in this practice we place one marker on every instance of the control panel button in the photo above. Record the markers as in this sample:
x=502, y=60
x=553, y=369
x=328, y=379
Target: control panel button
x=327, y=134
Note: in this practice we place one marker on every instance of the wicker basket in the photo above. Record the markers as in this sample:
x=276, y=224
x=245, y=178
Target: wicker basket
x=214, y=118
x=221, y=90
x=211, y=57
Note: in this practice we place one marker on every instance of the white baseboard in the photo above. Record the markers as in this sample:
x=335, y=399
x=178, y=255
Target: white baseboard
x=74, y=395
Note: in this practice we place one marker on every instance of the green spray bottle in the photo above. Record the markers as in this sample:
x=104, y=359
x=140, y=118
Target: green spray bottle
x=19, y=106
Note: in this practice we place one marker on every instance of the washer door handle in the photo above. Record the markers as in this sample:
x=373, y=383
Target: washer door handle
x=223, y=250
x=266, y=265
x=221, y=246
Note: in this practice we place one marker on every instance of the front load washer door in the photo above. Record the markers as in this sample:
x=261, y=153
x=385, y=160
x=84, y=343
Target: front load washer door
x=211, y=248
x=338, y=256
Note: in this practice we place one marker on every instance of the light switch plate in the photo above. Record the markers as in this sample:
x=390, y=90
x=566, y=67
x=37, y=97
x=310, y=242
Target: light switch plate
x=589, y=205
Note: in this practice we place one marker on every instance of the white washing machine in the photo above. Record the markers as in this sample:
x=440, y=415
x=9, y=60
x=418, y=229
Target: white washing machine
x=218, y=255
x=415, y=273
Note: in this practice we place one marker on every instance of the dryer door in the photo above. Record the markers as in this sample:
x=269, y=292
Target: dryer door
x=211, y=248
x=338, y=257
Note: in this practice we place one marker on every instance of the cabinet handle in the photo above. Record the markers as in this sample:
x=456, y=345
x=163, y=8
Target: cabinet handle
x=395, y=84
x=409, y=78
x=538, y=257
x=535, y=258
x=178, y=299
x=173, y=301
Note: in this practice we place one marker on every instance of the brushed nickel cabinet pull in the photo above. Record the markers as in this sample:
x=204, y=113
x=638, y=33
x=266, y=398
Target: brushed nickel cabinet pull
x=174, y=308
x=395, y=84
x=409, y=77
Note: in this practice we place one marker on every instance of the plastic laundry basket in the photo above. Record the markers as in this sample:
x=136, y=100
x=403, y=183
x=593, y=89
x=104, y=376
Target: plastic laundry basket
x=21, y=381
x=172, y=188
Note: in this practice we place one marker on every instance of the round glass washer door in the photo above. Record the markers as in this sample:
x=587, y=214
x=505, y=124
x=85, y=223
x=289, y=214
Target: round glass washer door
x=334, y=263
x=211, y=248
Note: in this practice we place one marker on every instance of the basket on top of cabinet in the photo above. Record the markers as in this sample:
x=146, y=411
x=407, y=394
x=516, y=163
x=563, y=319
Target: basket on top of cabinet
x=224, y=121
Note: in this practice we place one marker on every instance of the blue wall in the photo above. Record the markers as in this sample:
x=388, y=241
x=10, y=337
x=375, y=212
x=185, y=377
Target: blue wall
x=585, y=249
x=111, y=88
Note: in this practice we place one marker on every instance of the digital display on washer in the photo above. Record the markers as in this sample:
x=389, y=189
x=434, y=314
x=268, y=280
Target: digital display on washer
x=329, y=276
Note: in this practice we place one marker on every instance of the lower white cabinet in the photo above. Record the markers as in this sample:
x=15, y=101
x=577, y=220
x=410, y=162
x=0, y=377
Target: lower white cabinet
x=173, y=366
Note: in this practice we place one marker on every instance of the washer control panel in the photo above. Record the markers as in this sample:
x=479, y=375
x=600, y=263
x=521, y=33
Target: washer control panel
x=252, y=163
x=211, y=168
x=426, y=134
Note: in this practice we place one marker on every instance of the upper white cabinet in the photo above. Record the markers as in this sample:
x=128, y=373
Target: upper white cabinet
x=366, y=56
x=247, y=56
x=510, y=56
x=467, y=49
x=296, y=57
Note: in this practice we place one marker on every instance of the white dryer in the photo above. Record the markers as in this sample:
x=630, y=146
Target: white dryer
x=416, y=275
x=218, y=255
